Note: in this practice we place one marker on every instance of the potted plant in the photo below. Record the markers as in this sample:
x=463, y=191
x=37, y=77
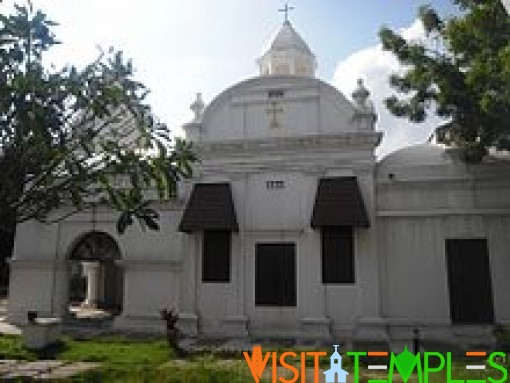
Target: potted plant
x=170, y=316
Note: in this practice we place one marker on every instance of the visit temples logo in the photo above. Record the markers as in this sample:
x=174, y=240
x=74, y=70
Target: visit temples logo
x=427, y=367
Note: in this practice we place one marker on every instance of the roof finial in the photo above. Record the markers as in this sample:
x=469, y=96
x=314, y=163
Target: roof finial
x=198, y=107
x=286, y=10
x=360, y=95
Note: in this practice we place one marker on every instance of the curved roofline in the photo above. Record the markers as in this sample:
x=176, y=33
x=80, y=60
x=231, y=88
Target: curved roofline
x=423, y=154
x=271, y=79
x=428, y=145
x=449, y=155
x=410, y=147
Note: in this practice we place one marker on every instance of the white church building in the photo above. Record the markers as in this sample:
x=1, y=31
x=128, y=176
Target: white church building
x=291, y=228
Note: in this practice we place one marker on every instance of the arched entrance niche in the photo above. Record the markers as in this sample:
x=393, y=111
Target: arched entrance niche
x=96, y=282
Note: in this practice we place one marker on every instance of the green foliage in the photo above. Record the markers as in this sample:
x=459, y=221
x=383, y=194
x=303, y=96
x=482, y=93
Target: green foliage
x=187, y=372
x=11, y=347
x=71, y=137
x=462, y=72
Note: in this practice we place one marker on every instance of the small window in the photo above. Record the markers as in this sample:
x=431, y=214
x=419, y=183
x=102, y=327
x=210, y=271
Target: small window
x=270, y=185
x=275, y=93
x=216, y=256
x=337, y=255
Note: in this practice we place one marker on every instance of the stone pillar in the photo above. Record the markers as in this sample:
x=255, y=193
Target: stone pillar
x=91, y=269
x=371, y=326
x=37, y=285
x=188, y=319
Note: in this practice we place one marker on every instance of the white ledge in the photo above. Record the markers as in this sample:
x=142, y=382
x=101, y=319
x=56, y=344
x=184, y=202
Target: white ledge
x=442, y=212
x=341, y=140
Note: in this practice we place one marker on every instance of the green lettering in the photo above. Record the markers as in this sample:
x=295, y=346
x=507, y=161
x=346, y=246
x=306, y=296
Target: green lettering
x=356, y=356
x=449, y=365
x=405, y=363
x=493, y=363
x=427, y=369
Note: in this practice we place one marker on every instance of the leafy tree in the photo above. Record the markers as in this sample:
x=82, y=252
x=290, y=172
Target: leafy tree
x=74, y=137
x=462, y=73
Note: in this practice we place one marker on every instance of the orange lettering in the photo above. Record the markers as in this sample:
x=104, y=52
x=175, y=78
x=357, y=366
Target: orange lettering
x=289, y=367
x=256, y=363
x=275, y=368
x=316, y=355
x=303, y=367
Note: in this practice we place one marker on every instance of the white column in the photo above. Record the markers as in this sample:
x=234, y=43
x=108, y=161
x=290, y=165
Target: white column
x=188, y=319
x=91, y=269
x=371, y=326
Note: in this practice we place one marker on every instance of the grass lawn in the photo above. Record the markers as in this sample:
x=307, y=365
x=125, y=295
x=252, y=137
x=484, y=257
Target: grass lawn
x=126, y=360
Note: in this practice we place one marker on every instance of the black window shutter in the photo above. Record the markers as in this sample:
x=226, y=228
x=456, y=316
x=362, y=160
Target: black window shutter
x=275, y=274
x=266, y=277
x=469, y=281
x=216, y=256
x=288, y=276
x=337, y=254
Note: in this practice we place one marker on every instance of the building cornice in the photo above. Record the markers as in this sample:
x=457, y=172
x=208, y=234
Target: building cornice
x=353, y=141
x=150, y=264
x=434, y=212
x=238, y=169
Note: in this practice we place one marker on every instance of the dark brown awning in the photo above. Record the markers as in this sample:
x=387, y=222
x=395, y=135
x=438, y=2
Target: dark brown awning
x=339, y=203
x=210, y=207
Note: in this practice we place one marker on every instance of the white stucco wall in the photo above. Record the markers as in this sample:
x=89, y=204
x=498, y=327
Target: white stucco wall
x=151, y=262
x=425, y=196
x=308, y=106
x=318, y=136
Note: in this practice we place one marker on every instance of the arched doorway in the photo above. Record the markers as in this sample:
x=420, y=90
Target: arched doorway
x=96, y=282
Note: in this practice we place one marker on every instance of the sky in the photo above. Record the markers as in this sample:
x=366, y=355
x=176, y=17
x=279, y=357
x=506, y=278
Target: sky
x=180, y=48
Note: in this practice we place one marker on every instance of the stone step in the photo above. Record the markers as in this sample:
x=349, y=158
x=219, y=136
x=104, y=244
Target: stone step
x=17, y=371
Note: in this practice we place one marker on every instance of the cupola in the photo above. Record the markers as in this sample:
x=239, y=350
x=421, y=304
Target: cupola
x=287, y=54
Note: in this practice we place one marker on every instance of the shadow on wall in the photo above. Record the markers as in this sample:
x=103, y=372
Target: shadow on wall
x=4, y=278
x=6, y=245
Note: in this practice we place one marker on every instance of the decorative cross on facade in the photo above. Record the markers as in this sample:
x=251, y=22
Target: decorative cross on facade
x=273, y=111
x=286, y=10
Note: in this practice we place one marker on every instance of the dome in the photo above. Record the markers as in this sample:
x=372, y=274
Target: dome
x=420, y=162
x=328, y=113
x=287, y=38
x=434, y=155
x=418, y=155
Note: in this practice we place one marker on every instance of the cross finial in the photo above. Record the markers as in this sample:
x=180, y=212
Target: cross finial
x=286, y=10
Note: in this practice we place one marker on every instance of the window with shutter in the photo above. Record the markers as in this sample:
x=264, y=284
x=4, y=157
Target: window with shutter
x=469, y=281
x=216, y=256
x=275, y=274
x=337, y=255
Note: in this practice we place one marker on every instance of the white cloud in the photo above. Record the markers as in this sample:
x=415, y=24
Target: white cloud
x=374, y=66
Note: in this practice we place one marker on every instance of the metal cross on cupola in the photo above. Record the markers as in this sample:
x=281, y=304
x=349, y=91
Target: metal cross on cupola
x=286, y=10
